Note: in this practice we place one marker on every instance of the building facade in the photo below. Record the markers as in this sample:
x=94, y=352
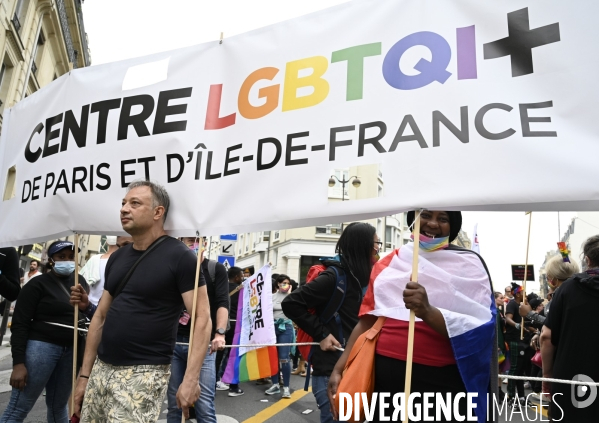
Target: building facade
x=294, y=251
x=40, y=41
x=581, y=227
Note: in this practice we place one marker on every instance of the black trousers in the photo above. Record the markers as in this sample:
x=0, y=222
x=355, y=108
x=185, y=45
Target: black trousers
x=390, y=377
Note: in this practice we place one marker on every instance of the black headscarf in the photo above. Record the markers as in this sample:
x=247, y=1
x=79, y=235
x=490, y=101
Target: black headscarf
x=455, y=223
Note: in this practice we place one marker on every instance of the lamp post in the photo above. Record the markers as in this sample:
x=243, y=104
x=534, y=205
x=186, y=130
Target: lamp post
x=356, y=183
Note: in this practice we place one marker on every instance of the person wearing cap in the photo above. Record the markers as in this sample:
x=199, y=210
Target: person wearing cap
x=42, y=353
x=453, y=292
x=94, y=269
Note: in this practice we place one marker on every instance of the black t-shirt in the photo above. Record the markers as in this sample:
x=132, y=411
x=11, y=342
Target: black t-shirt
x=511, y=333
x=9, y=273
x=42, y=300
x=218, y=297
x=575, y=334
x=141, y=324
x=234, y=302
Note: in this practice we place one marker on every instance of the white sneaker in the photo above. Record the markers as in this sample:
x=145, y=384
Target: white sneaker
x=221, y=386
x=274, y=389
x=286, y=393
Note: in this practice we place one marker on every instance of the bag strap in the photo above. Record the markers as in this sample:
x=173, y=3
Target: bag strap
x=61, y=286
x=376, y=328
x=212, y=270
x=371, y=335
x=337, y=298
x=124, y=281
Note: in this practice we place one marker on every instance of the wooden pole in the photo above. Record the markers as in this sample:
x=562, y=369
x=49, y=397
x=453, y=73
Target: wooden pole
x=195, y=303
x=414, y=278
x=525, y=272
x=75, y=321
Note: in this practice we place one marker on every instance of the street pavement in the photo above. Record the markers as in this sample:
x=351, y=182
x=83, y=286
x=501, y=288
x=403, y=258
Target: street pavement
x=252, y=407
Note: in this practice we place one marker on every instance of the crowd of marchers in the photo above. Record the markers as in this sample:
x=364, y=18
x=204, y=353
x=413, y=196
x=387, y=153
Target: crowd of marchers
x=136, y=302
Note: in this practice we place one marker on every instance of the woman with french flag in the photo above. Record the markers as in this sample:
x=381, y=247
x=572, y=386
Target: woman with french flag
x=454, y=342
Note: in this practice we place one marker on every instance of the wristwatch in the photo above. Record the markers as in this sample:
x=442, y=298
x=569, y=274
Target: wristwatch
x=220, y=331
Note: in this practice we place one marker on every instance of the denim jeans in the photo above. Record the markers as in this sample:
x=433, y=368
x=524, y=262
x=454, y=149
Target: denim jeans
x=223, y=364
x=284, y=337
x=50, y=366
x=319, y=389
x=204, y=406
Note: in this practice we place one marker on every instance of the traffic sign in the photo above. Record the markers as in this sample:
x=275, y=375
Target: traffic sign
x=227, y=248
x=228, y=237
x=226, y=261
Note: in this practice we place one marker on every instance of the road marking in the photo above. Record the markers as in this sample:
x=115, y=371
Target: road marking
x=277, y=407
x=541, y=410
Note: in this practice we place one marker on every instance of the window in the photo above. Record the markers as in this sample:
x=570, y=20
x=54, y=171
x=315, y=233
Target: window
x=39, y=51
x=389, y=238
x=333, y=229
x=20, y=13
x=380, y=191
x=262, y=237
x=6, y=73
x=277, y=235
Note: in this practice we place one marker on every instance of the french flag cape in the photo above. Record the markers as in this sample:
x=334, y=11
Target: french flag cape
x=457, y=283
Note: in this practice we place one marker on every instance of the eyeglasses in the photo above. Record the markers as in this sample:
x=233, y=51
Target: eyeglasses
x=379, y=244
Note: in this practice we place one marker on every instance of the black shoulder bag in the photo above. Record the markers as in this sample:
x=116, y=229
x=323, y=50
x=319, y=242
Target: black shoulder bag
x=122, y=284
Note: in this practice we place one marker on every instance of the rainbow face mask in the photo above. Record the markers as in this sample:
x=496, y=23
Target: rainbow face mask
x=432, y=244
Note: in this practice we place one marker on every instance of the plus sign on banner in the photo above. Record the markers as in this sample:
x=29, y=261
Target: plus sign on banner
x=520, y=42
x=402, y=85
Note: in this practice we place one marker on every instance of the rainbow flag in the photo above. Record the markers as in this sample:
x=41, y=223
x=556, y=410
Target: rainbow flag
x=563, y=250
x=254, y=364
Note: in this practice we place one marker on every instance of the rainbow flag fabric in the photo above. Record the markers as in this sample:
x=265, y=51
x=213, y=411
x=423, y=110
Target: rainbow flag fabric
x=254, y=364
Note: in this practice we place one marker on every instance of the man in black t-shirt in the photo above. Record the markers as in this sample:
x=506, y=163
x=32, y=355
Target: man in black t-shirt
x=134, y=328
x=218, y=296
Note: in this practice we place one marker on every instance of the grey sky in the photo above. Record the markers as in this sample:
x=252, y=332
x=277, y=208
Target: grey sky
x=124, y=29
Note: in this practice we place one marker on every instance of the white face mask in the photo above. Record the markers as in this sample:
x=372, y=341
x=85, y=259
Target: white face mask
x=64, y=268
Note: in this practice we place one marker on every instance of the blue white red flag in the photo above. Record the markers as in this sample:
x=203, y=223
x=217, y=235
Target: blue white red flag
x=456, y=283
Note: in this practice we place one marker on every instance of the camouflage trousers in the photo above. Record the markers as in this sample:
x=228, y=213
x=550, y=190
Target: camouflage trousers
x=125, y=393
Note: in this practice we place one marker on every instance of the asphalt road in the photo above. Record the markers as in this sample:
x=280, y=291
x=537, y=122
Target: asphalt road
x=253, y=407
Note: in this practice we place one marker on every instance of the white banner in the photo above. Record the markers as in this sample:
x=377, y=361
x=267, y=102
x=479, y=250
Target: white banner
x=420, y=89
x=258, y=323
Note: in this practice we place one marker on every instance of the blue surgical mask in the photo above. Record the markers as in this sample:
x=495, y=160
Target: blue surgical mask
x=64, y=268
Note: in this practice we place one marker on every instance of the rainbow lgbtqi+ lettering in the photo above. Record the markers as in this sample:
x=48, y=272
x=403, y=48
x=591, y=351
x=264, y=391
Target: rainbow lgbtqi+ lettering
x=432, y=244
x=563, y=250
